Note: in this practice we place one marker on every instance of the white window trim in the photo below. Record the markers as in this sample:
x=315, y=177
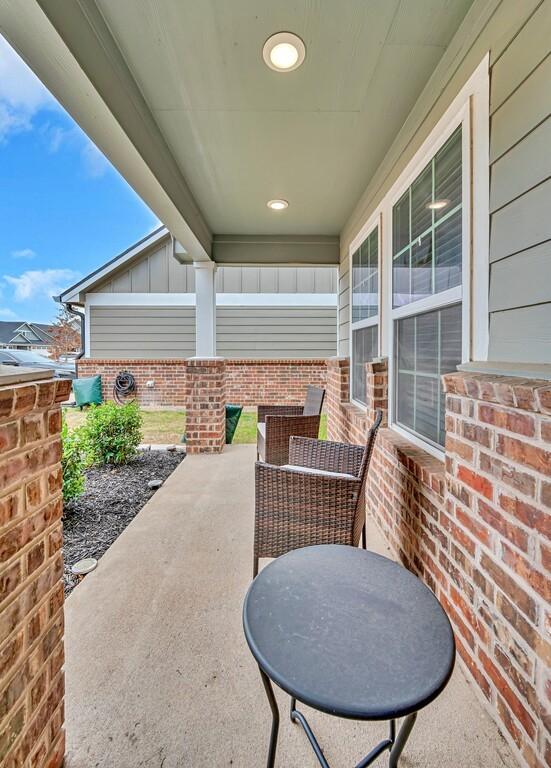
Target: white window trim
x=374, y=221
x=471, y=109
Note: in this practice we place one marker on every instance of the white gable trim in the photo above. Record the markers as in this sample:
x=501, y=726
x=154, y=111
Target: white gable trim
x=71, y=294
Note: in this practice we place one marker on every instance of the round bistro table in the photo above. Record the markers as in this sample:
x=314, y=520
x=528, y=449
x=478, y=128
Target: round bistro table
x=352, y=634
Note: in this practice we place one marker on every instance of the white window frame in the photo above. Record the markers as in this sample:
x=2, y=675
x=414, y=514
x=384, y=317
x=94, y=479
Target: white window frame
x=470, y=108
x=374, y=221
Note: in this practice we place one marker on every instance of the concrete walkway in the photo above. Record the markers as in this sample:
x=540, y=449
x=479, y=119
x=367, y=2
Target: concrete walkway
x=158, y=673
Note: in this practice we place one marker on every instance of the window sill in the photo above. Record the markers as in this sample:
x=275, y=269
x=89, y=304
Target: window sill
x=426, y=468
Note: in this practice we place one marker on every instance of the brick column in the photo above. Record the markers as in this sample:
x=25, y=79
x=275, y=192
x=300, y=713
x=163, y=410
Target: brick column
x=31, y=574
x=205, y=397
x=498, y=518
x=376, y=389
x=345, y=421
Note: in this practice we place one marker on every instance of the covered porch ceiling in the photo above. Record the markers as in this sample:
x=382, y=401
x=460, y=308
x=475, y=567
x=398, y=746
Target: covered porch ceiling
x=176, y=94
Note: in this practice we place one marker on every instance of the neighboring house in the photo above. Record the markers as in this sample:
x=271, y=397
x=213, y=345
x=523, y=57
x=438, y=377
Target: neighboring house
x=18, y=335
x=141, y=305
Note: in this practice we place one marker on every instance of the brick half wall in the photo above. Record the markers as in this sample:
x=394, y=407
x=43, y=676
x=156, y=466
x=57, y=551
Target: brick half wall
x=477, y=529
x=31, y=575
x=248, y=382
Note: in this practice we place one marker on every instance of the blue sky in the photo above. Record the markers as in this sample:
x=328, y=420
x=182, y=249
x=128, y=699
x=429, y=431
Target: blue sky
x=64, y=209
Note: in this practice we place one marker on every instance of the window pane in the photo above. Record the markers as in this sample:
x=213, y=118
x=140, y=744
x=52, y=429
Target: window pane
x=401, y=293
x=400, y=223
x=421, y=268
x=447, y=253
x=426, y=347
x=427, y=229
x=365, y=343
x=355, y=283
x=421, y=197
x=365, y=278
x=447, y=174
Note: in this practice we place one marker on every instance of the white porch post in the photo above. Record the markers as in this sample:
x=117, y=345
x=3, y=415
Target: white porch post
x=205, y=309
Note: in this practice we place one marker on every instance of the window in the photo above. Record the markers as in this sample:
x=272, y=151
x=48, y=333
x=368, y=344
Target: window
x=427, y=248
x=426, y=229
x=426, y=346
x=365, y=311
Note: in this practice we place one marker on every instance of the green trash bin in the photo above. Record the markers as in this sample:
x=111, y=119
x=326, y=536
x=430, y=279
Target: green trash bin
x=88, y=391
x=233, y=413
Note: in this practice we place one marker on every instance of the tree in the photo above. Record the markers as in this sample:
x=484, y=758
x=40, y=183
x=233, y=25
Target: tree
x=66, y=337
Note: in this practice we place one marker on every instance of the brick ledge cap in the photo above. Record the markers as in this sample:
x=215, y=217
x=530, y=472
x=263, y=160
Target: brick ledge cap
x=429, y=470
x=512, y=391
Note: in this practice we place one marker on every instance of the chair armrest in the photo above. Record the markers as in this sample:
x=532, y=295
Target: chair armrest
x=280, y=489
x=278, y=410
x=326, y=455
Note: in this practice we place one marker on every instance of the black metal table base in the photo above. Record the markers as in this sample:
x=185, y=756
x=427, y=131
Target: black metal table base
x=394, y=744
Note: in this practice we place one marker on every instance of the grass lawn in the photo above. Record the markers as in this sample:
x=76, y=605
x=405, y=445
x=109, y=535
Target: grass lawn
x=169, y=426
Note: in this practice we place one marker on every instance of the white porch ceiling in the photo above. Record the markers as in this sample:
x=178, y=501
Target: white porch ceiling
x=176, y=94
x=242, y=134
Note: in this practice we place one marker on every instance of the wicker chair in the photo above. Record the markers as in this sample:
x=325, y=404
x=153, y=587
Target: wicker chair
x=319, y=498
x=276, y=424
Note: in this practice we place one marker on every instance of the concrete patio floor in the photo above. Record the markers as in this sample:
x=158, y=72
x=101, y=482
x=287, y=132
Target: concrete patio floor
x=157, y=670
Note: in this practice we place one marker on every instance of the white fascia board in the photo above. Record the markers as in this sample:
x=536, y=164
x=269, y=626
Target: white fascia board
x=222, y=300
x=71, y=294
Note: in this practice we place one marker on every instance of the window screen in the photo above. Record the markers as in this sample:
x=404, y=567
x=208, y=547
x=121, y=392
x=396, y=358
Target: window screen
x=426, y=346
x=426, y=229
x=364, y=348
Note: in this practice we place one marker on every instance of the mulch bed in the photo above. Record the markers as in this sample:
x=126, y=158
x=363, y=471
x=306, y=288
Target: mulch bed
x=112, y=498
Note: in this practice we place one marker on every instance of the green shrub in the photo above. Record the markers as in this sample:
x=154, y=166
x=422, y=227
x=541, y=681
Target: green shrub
x=73, y=462
x=112, y=433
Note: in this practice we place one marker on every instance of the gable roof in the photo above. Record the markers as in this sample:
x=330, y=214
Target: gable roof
x=13, y=332
x=71, y=294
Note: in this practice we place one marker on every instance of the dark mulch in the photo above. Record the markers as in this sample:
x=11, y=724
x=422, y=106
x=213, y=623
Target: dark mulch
x=112, y=498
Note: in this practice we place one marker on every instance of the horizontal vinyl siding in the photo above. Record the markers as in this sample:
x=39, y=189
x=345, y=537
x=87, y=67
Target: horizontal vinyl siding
x=520, y=195
x=142, y=332
x=276, y=332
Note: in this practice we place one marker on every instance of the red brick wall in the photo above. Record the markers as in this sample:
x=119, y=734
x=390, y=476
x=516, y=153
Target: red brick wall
x=248, y=382
x=168, y=375
x=498, y=518
x=251, y=382
x=31, y=571
x=477, y=530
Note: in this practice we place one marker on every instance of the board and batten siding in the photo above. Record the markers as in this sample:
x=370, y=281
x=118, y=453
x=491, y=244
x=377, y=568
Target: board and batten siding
x=157, y=271
x=276, y=332
x=517, y=35
x=141, y=332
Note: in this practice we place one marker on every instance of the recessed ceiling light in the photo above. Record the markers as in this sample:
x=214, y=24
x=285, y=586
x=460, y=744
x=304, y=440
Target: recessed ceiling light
x=284, y=52
x=277, y=205
x=438, y=205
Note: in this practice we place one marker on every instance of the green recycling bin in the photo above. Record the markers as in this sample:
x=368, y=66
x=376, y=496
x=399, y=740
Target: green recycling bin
x=233, y=413
x=88, y=391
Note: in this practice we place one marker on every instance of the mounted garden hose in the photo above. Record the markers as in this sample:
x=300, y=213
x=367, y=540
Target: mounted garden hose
x=124, y=388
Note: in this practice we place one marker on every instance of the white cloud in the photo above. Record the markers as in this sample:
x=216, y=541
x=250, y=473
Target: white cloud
x=36, y=283
x=22, y=94
x=7, y=314
x=23, y=253
x=95, y=163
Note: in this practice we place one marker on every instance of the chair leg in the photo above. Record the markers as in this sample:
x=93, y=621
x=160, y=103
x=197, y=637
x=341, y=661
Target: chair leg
x=255, y=567
x=364, y=538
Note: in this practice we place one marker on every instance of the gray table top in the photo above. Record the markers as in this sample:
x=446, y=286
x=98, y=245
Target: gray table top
x=349, y=632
